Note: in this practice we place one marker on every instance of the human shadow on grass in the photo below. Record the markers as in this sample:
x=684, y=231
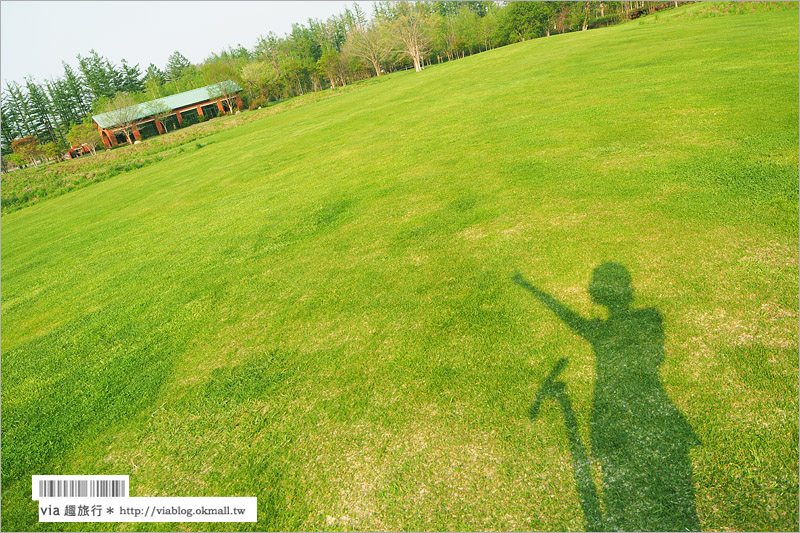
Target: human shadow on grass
x=638, y=435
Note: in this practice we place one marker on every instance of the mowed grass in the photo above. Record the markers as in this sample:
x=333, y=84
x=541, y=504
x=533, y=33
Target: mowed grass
x=26, y=187
x=335, y=308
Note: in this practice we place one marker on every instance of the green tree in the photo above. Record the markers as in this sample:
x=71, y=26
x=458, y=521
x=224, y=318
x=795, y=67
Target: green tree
x=131, y=78
x=64, y=108
x=270, y=49
x=88, y=134
x=116, y=76
x=488, y=27
x=259, y=79
x=154, y=80
x=519, y=21
x=51, y=151
x=16, y=160
x=177, y=65
x=100, y=75
x=41, y=111
x=334, y=66
x=410, y=30
x=80, y=95
x=467, y=23
x=28, y=149
x=329, y=34
x=9, y=129
x=124, y=112
x=153, y=89
x=155, y=73
x=452, y=41
x=18, y=105
x=217, y=76
x=301, y=53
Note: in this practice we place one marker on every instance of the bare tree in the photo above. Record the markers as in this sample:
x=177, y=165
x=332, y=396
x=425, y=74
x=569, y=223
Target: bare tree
x=87, y=134
x=124, y=112
x=366, y=42
x=586, y=13
x=159, y=111
x=227, y=91
x=409, y=30
x=218, y=76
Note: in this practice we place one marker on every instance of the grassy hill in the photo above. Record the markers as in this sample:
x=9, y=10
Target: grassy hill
x=349, y=308
x=25, y=187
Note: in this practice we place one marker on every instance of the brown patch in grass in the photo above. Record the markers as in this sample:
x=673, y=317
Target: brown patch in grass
x=721, y=327
x=774, y=254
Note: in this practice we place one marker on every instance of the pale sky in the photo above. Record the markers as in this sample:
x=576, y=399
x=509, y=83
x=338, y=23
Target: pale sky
x=35, y=37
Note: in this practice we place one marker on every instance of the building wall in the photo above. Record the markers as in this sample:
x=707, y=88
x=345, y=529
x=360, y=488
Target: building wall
x=77, y=151
x=110, y=139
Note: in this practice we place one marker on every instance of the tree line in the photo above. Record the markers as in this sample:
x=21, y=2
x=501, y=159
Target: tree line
x=345, y=48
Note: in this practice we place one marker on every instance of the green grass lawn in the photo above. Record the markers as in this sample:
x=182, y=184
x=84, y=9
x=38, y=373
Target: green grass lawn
x=25, y=187
x=350, y=309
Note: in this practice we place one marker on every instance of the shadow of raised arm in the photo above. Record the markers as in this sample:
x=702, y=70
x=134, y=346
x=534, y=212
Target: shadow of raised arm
x=576, y=322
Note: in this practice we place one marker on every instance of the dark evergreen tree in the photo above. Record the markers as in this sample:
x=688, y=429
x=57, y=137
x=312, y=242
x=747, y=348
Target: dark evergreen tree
x=155, y=73
x=116, y=76
x=100, y=76
x=79, y=93
x=66, y=110
x=447, y=8
x=61, y=103
x=131, y=78
x=177, y=65
x=17, y=101
x=41, y=112
x=9, y=128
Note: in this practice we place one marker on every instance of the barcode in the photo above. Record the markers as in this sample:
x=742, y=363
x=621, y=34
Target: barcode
x=80, y=487
x=74, y=488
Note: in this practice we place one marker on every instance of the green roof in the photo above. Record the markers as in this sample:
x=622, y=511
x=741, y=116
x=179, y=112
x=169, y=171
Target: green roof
x=175, y=101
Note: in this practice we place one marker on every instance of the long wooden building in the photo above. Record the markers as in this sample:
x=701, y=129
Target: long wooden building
x=187, y=107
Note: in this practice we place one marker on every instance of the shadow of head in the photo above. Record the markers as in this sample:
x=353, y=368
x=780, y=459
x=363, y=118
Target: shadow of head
x=611, y=286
